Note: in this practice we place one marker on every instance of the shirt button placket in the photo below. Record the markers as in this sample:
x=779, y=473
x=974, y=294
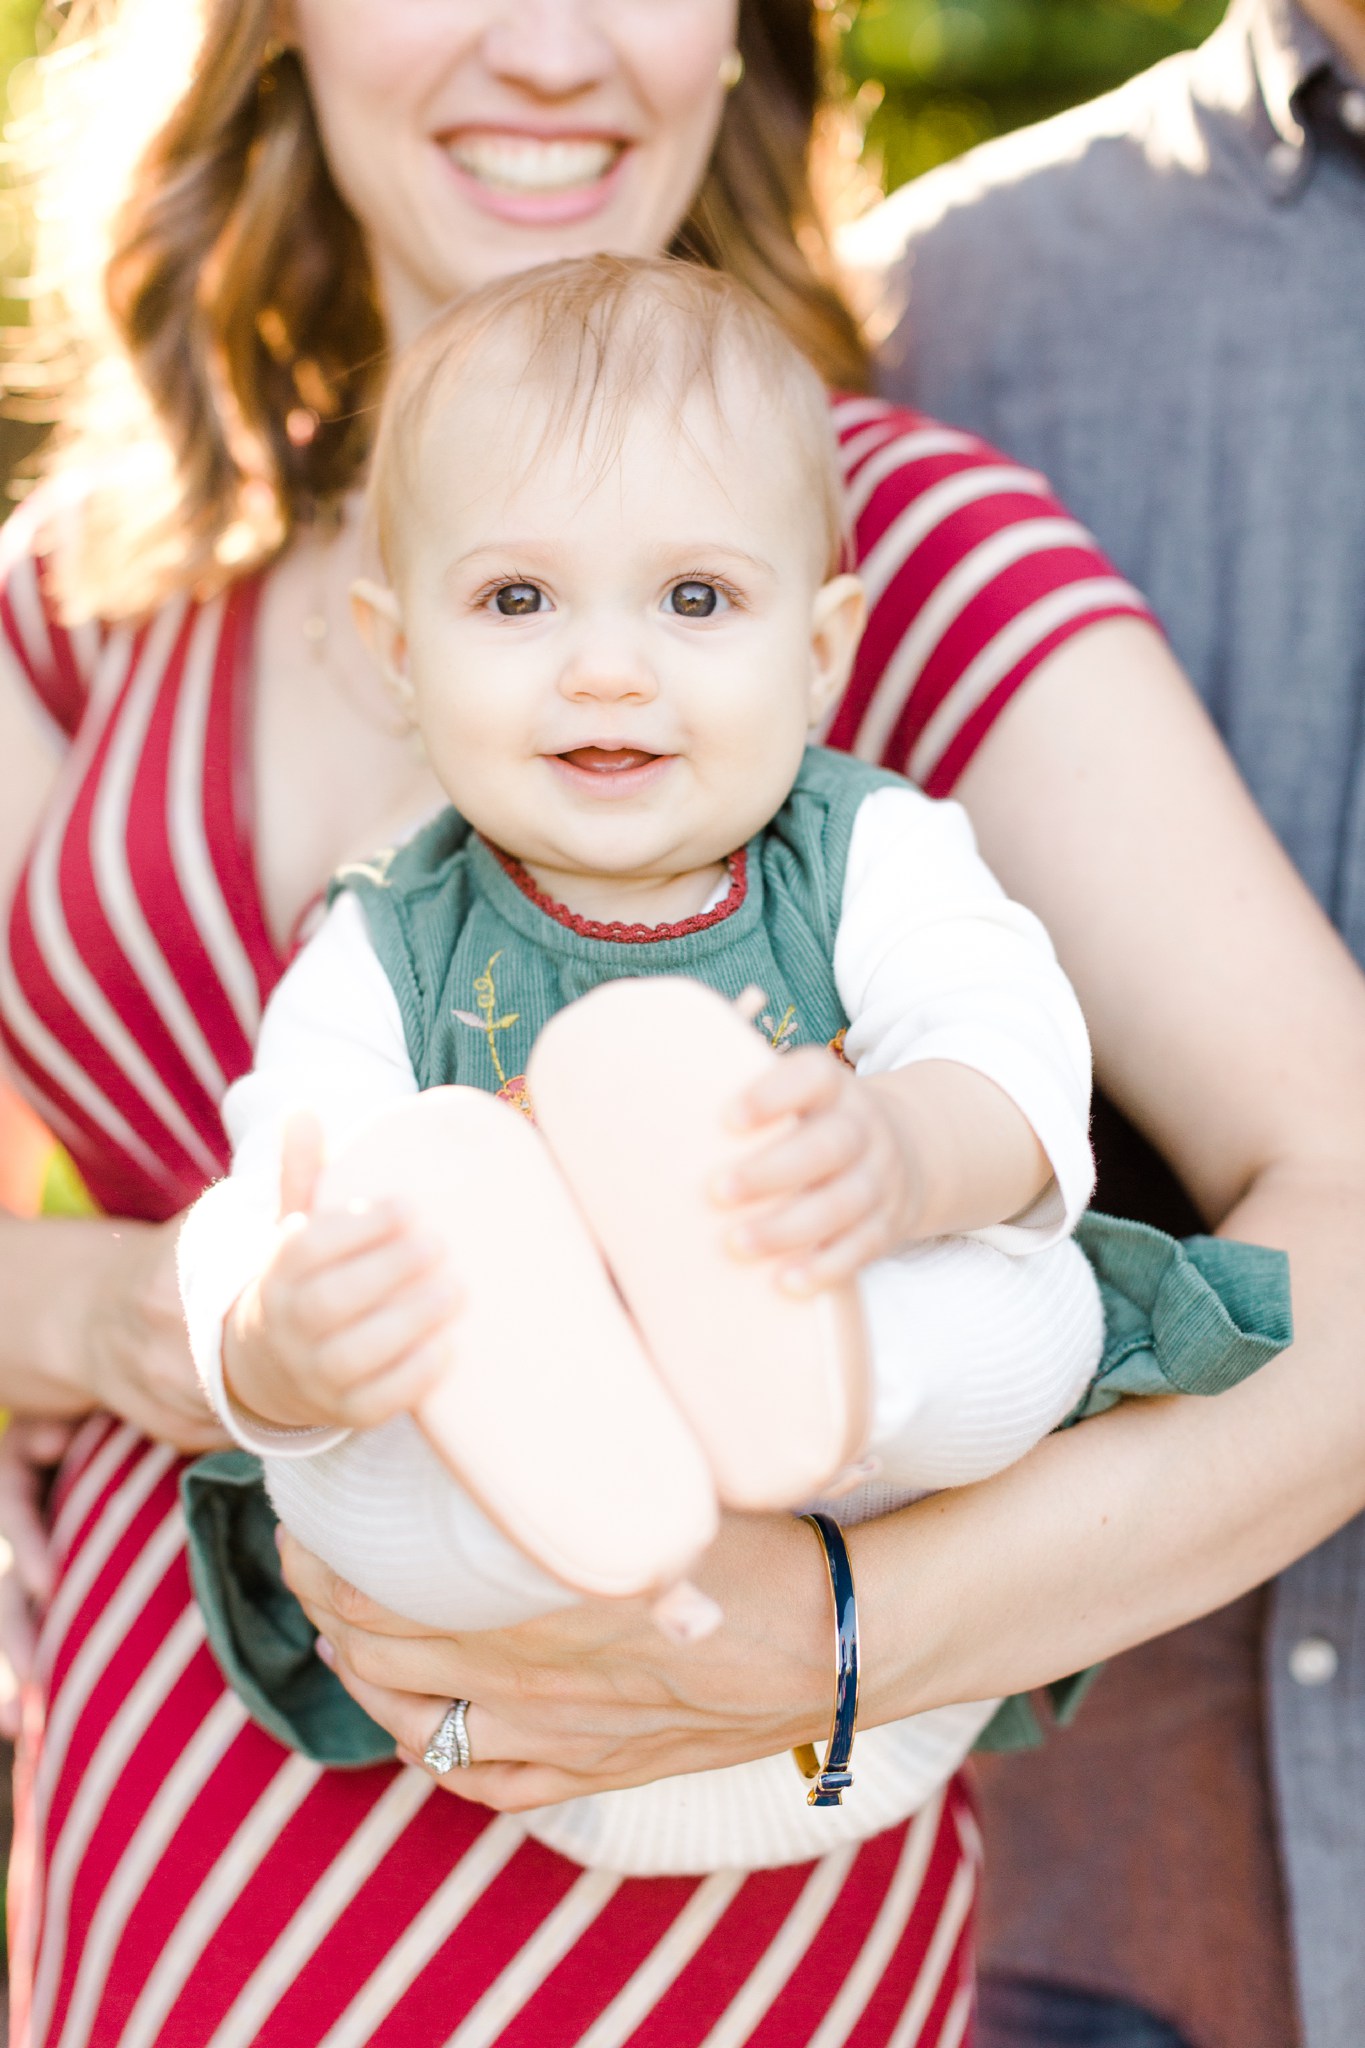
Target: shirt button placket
x=1313, y=1661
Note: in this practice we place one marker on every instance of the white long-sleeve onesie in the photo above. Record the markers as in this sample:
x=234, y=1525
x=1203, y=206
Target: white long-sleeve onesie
x=979, y=1344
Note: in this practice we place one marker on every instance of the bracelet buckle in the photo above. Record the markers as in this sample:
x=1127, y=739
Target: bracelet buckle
x=830, y=1781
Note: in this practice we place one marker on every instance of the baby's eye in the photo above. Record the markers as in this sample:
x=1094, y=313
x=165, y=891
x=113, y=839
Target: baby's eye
x=517, y=600
x=693, y=600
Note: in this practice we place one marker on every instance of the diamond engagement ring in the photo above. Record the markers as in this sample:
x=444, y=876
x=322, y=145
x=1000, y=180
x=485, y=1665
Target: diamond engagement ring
x=449, y=1746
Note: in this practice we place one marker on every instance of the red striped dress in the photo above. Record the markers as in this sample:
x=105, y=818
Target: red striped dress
x=179, y=1880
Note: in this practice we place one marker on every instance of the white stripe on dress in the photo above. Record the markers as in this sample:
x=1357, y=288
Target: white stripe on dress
x=83, y=993
x=918, y=446
x=113, y=878
x=199, y=1925
x=854, y=412
x=952, y=1919
x=137, y=1488
x=856, y=447
x=405, y=1961
x=791, y=1942
x=954, y=2029
x=92, y=1478
x=183, y=1783
x=879, y=1944
x=50, y=1056
x=557, y=1933
x=187, y=830
x=30, y=619
x=925, y=514
x=66, y=964
x=1009, y=647
x=666, y=1961
x=327, y=1902
x=108, y=1758
x=937, y=617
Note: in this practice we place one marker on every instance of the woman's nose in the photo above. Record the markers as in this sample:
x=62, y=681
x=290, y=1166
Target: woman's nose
x=549, y=47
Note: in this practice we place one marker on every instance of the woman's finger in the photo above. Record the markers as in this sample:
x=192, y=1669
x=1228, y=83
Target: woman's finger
x=413, y=1719
x=327, y=1598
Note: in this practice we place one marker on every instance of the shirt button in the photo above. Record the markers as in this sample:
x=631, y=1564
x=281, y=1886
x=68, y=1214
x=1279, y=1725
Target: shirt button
x=1284, y=159
x=1351, y=107
x=1313, y=1661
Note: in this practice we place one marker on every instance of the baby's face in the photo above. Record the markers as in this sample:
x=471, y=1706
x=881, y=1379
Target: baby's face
x=615, y=665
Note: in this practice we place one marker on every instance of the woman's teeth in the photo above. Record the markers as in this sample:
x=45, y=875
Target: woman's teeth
x=521, y=163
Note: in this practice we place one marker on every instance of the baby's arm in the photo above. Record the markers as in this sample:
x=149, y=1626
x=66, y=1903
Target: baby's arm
x=968, y=1112
x=348, y=1320
x=287, y=1300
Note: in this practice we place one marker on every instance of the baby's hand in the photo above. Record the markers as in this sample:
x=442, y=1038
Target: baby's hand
x=836, y=1187
x=348, y=1323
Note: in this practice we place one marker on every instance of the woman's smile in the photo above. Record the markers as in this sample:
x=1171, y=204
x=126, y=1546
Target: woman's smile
x=537, y=179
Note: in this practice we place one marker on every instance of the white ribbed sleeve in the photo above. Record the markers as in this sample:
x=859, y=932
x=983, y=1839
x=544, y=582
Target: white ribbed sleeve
x=934, y=962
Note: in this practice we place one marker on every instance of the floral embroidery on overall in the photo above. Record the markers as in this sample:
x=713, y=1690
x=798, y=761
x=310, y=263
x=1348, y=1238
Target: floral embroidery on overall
x=782, y=1034
x=488, y=1021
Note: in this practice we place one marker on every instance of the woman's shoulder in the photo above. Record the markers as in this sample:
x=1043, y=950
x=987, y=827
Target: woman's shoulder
x=974, y=572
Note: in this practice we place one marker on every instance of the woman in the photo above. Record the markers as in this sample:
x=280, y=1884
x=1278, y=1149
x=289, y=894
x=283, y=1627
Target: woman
x=202, y=770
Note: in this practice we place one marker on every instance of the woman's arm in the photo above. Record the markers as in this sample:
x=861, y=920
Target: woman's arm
x=1229, y=1024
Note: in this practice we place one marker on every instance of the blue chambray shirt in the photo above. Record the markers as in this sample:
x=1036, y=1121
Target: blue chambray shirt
x=1159, y=301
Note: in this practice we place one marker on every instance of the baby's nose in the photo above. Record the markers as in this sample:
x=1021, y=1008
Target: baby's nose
x=609, y=669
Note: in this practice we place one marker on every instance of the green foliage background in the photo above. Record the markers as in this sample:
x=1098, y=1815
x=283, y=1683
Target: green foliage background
x=942, y=75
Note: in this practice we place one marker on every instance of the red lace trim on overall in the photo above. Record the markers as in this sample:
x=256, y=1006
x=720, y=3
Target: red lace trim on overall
x=631, y=934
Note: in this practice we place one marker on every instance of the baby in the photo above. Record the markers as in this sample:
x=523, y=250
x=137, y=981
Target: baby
x=608, y=506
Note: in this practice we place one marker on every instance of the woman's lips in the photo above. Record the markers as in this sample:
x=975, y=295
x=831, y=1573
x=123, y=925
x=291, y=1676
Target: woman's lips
x=610, y=771
x=536, y=179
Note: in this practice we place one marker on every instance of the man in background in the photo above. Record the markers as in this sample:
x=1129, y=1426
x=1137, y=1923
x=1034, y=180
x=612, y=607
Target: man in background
x=1159, y=300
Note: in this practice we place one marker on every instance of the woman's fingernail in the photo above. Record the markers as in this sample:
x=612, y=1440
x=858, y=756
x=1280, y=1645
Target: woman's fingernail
x=324, y=1650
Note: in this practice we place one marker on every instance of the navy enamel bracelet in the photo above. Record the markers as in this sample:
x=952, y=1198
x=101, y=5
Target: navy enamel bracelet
x=835, y=1776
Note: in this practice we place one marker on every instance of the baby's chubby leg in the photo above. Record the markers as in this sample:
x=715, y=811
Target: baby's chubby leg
x=976, y=1355
x=548, y=1414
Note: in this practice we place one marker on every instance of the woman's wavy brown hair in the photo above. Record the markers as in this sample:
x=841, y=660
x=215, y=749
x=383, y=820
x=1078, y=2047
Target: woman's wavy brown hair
x=214, y=348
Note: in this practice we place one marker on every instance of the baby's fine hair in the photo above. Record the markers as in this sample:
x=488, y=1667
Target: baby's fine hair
x=600, y=334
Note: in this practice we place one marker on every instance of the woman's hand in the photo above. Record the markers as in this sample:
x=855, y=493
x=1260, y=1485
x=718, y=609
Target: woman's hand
x=127, y=1337
x=594, y=1697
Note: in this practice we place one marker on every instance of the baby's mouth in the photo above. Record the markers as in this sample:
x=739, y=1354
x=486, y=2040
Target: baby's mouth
x=608, y=760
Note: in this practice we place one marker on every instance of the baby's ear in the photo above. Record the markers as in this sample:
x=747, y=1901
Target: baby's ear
x=836, y=628
x=380, y=625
